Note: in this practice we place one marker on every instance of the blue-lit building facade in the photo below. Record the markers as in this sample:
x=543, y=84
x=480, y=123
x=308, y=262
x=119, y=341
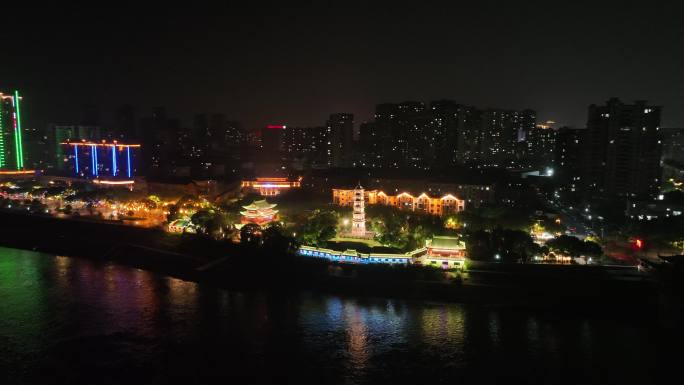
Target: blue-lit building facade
x=110, y=161
x=440, y=252
x=353, y=256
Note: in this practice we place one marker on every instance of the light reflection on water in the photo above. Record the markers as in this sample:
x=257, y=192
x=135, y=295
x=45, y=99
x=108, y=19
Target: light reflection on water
x=80, y=320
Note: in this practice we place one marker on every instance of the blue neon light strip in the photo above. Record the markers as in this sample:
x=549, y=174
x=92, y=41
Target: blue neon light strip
x=113, y=160
x=128, y=163
x=76, y=157
x=93, y=158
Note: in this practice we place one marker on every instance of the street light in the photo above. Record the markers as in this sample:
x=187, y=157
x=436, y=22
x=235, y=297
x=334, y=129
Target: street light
x=497, y=257
x=639, y=243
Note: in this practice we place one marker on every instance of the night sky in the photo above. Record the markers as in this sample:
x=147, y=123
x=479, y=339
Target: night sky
x=296, y=64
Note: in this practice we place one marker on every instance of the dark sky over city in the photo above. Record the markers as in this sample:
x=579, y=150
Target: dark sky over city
x=295, y=64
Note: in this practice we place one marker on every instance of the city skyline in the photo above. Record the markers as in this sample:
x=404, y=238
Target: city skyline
x=374, y=192
x=265, y=66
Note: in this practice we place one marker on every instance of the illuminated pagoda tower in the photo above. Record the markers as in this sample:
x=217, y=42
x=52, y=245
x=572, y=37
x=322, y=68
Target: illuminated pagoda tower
x=11, y=134
x=359, y=214
x=259, y=212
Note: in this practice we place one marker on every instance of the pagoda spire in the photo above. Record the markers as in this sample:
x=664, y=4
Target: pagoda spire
x=359, y=214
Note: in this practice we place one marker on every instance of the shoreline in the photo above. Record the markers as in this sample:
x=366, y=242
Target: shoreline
x=236, y=267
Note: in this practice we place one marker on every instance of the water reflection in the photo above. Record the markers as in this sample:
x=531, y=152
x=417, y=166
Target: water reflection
x=89, y=322
x=357, y=337
x=443, y=324
x=21, y=301
x=533, y=333
x=62, y=270
x=494, y=329
x=182, y=293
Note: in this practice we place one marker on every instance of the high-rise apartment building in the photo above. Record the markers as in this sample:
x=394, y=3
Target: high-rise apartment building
x=673, y=144
x=308, y=144
x=446, y=133
x=568, y=158
x=402, y=130
x=340, y=140
x=272, y=142
x=623, y=149
x=60, y=134
x=12, y=154
x=541, y=144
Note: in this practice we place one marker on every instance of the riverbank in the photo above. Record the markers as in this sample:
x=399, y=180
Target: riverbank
x=237, y=267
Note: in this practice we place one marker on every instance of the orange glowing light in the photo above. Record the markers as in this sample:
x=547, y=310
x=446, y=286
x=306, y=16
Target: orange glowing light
x=84, y=143
x=280, y=185
x=114, y=182
x=18, y=172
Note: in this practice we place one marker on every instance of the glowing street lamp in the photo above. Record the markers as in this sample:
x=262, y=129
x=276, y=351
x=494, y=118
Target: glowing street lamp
x=639, y=244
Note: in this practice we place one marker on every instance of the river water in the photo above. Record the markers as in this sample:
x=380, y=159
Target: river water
x=71, y=320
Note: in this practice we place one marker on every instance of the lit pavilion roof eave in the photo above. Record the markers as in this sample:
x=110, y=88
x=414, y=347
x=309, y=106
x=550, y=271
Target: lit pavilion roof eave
x=260, y=205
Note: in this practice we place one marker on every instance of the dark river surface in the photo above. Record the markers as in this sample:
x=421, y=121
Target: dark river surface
x=71, y=320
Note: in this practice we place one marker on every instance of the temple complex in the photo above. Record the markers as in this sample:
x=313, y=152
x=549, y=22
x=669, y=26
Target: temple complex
x=259, y=212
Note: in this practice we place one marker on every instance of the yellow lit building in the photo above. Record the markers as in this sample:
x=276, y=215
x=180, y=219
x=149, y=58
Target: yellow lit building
x=435, y=205
x=270, y=186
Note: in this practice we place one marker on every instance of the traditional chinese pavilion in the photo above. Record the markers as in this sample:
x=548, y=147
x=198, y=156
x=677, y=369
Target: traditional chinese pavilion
x=259, y=212
x=444, y=252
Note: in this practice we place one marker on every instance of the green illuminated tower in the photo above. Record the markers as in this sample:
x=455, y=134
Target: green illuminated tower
x=11, y=133
x=2, y=133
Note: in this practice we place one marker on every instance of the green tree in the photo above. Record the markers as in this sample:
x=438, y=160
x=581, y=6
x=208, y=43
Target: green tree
x=208, y=222
x=404, y=230
x=389, y=225
x=592, y=249
x=518, y=246
x=479, y=245
x=173, y=213
x=274, y=239
x=318, y=228
x=90, y=207
x=251, y=235
x=574, y=247
x=149, y=204
x=37, y=207
x=510, y=245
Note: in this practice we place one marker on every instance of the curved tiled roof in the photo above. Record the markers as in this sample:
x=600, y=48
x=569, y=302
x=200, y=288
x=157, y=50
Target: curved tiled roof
x=444, y=242
x=260, y=205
